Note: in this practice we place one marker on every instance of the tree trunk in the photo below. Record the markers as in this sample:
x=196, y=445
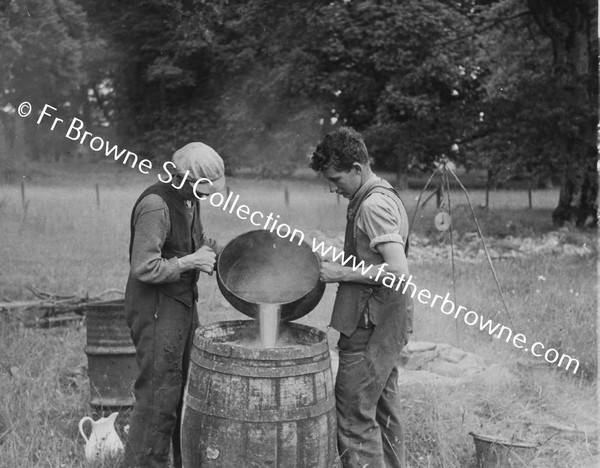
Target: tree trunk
x=578, y=197
x=571, y=26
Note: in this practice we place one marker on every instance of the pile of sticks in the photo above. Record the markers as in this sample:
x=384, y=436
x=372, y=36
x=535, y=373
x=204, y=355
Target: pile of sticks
x=50, y=310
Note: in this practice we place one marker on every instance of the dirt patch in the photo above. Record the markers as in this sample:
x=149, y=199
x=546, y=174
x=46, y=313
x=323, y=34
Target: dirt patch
x=443, y=364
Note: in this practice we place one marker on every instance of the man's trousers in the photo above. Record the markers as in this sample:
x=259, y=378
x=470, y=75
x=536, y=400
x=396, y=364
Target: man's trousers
x=163, y=339
x=370, y=430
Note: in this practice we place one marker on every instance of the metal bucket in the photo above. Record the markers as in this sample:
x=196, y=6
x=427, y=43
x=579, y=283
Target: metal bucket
x=493, y=452
x=259, y=267
x=112, y=368
x=258, y=407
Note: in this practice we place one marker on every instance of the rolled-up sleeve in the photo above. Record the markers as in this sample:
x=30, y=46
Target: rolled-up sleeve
x=379, y=219
x=151, y=226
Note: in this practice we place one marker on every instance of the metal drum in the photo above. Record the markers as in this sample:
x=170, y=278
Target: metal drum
x=259, y=267
x=112, y=368
x=256, y=407
x=494, y=452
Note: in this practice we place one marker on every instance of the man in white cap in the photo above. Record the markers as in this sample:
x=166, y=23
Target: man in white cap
x=167, y=252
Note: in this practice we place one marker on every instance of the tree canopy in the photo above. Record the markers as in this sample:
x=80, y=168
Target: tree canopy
x=511, y=83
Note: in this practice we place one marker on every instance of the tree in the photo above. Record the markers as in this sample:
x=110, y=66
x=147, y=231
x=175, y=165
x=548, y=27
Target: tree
x=539, y=110
x=258, y=76
x=268, y=118
x=385, y=69
x=43, y=61
x=511, y=81
x=161, y=80
x=572, y=28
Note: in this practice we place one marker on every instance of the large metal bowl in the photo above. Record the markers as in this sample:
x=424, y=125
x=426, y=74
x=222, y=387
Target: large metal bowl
x=259, y=267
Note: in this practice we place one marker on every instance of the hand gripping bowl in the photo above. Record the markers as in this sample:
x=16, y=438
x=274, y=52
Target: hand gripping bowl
x=259, y=267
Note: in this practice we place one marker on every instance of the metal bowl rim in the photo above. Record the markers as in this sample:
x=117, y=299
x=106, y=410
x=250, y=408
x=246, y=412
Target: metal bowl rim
x=220, y=277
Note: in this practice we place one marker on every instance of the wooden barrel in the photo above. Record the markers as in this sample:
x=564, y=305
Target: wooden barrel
x=112, y=368
x=246, y=406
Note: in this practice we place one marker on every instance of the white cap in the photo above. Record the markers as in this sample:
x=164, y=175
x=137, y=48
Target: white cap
x=202, y=162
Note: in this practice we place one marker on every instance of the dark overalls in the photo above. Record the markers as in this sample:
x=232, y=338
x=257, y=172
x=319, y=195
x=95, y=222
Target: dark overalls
x=162, y=319
x=373, y=322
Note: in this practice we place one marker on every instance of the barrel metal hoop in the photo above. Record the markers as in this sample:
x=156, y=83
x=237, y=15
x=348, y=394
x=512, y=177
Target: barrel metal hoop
x=108, y=350
x=259, y=415
x=266, y=354
x=241, y=368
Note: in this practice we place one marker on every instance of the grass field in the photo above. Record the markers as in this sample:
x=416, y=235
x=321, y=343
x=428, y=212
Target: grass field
x=64, y=243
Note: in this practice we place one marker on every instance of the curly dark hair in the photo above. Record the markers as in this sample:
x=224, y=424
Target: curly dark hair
x=340, y=148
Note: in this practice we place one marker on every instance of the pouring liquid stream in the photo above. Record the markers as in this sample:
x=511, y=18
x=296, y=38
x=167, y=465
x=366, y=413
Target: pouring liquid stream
x=268, y=321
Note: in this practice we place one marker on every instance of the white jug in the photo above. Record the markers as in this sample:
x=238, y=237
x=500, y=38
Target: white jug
x=104, y=440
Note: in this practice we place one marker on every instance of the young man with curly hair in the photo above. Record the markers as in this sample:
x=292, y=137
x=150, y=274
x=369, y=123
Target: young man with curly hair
x=374, y=320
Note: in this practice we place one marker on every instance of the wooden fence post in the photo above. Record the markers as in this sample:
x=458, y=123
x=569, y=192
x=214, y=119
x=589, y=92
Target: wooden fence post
x=23, y=194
